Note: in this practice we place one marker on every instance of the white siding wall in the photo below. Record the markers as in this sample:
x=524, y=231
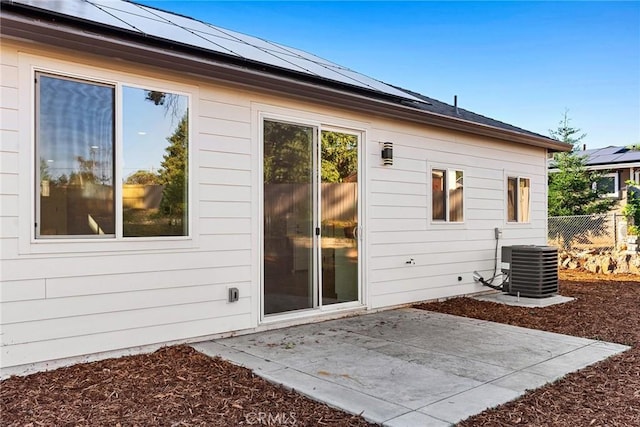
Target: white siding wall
x=77, y=302
x=400, y=226
x=81, y=302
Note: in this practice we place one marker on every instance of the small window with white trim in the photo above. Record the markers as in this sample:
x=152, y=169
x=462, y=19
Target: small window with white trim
x=105, y=174
x=518, y=199
x=447, y=195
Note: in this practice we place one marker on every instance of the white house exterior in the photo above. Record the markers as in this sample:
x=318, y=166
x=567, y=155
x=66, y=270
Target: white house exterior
x=75, y=295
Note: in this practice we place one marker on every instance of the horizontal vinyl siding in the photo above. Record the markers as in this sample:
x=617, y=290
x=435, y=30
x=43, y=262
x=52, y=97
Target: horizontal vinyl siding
x=65, y=327
x=71, y=304
x=22, y=290
x=120, y=339
x=9, y=146
x=111, y=263
x=443, y=255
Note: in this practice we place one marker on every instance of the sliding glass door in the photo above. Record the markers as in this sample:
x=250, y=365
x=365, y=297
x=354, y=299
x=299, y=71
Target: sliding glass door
x=310, y=206
x=288, y=217
x=339, y=217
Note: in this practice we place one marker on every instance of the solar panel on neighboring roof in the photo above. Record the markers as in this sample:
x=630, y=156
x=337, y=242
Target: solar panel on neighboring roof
x=631, y=156
x=610, y=155
x=607, y=158
x=610, y=150
x=144, y=20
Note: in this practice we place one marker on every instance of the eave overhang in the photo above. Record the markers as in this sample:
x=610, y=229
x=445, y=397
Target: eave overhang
x=210, y=66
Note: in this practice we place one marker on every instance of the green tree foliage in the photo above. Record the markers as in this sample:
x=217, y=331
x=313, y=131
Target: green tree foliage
x=566, y=133
x=339, y=156
x=572, y=191
x=631, y=209
x=143, y=177
x=173, y=172
x=287, y=153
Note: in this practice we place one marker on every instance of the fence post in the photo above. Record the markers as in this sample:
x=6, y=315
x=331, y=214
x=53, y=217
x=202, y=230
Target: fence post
x=615, y=231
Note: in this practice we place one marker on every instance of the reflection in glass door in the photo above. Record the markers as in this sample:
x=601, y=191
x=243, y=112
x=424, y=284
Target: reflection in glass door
x=310, y=255
x=339, y=217
x=288, y=217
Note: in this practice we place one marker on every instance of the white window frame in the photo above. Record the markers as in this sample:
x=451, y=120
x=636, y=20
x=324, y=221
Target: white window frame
x=29, y=242
x=517, y=200
x=447, y=169
x=616, y=185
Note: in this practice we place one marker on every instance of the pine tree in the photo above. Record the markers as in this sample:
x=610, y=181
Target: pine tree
x=565, y=133
x=572, y=190
x=173, y=172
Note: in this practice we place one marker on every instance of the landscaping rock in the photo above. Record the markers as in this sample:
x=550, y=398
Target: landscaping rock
x=621, y=261
x=634, y=265
x=592, y=265
x=607, y=265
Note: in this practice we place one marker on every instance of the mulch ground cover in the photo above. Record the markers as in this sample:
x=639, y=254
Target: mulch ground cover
x=177, y=386
x=605, y=394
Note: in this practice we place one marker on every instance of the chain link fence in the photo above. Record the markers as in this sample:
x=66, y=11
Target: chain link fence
x=581, y=232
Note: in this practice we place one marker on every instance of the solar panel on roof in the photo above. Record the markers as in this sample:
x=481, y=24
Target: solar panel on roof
x=610, y=150
x=156, y=23
x=631, y=156
x=621, y=155
x=607, y=158
x=310, y=57
x=79, y=9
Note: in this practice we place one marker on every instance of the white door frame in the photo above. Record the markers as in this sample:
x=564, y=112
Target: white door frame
x=317, y=308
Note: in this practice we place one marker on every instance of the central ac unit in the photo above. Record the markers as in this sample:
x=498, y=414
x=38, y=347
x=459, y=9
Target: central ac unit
x=532, y=271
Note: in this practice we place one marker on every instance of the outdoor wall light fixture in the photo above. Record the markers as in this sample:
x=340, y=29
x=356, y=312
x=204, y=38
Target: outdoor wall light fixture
x=387, y=153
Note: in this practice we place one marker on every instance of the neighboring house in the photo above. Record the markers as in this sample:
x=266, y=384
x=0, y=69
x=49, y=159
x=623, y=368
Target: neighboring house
x=617, y=164
x=164, y=180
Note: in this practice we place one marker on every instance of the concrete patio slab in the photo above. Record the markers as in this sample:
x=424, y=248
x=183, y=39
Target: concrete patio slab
x=521, y=381
x=458, y=407
x=517, y=301
x=410, y=367
x=412, y=419
x=346, y=398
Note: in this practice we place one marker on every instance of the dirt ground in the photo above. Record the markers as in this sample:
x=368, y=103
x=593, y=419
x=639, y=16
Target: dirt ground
x=177, y=386
x=605, y=394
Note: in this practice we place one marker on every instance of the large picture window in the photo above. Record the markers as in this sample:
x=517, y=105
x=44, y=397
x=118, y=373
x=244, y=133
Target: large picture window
x=518, y=199
x=447, y=195
x=78, y=163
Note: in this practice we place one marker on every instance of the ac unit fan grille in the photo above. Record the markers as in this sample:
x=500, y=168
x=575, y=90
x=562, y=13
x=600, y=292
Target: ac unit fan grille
x=533, y=271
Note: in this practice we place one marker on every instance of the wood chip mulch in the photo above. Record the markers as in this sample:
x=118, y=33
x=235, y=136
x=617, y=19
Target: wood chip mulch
x=605, y=394
x=177, y=386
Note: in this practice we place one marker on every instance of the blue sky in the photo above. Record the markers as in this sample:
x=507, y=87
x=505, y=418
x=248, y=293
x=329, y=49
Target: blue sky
x=520, y=62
